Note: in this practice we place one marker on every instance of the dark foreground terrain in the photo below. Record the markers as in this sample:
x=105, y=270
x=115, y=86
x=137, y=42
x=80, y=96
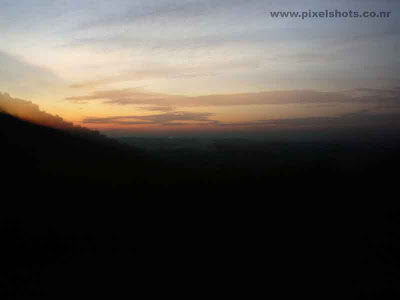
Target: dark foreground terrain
x=85, y=216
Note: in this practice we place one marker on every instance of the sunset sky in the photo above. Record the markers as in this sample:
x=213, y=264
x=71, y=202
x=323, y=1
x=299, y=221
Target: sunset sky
x=136, y=66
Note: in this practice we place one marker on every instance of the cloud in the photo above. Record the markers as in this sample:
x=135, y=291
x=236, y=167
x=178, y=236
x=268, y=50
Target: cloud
x=170, y=118
x=361, y=119
x=156, y=72
x=382, y=94
x=165, y=71
x=127, y=97
x=173, y=43
x=29, y=111
x=158, y=108
x=161, y=11
x=141, y=97
x=18, y=74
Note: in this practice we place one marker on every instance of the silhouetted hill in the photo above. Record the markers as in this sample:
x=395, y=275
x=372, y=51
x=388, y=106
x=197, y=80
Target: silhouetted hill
x=318, y=216
x=33, y=148
x=60, y=235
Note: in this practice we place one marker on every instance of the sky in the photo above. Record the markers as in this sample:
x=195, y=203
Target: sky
x=170, y=66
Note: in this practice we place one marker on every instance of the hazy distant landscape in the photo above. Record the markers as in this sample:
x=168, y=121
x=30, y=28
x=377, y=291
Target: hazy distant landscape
x=340, y=153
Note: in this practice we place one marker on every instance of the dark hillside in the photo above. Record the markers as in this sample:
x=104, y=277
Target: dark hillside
x=60, y=237
x=319, y=216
